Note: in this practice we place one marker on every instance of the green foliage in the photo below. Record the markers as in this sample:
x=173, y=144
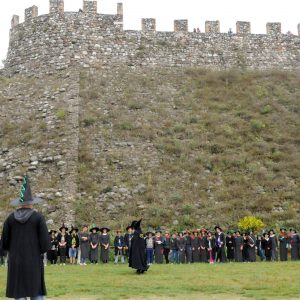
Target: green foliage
x=257, y=125
x=61, y=114
x=251, y=222
x=89, y=121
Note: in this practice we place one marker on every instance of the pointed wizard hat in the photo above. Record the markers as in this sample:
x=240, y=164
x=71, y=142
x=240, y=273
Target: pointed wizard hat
x=25, y=196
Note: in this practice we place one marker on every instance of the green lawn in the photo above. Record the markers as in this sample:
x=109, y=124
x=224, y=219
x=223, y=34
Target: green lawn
x=197, y=281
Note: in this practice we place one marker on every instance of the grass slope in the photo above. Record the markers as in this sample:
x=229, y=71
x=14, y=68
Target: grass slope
x=209, y=146
x=198, y=281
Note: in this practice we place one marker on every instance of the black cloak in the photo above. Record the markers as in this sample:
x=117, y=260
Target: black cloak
x=26, y=238
x=137, y=254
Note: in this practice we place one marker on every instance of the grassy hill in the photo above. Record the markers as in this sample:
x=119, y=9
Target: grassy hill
x=181, y=147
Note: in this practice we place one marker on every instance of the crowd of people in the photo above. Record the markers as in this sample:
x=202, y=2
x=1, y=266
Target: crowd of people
x=94, y=245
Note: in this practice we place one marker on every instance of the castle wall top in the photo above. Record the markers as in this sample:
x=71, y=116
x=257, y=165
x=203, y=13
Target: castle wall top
x=86, y=38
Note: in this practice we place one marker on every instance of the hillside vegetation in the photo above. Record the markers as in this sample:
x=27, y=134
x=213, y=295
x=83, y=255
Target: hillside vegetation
x=190, y=147
x=180, y=147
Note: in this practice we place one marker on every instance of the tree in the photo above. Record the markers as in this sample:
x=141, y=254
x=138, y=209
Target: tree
x=251, y=222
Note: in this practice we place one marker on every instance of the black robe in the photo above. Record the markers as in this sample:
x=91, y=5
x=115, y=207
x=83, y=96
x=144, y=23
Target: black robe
x=195, y=249
x=251, y=251
x=94, y=240
x=211, y=248
x=26, y=241
x=104, y=239
x=137, y=253
x=220, y=246
x=294, y=241
x=283, y=247
x=203, y=249
x=181, y=249
x=159, y=249
x=238, y=248
x=127, y=241
x=230, y=247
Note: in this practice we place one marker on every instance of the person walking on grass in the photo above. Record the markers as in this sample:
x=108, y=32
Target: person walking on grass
x=26, y=239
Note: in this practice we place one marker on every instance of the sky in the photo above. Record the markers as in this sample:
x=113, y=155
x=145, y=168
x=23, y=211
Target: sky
x=258, y=12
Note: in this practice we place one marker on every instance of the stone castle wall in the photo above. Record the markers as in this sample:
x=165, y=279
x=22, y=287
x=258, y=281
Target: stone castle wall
x=60, y=40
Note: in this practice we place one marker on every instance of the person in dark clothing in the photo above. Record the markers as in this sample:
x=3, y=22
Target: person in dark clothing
x=202, y=240
x=104, y=242
x=195, y=247
x=166, y=244
x=119, y=244
x=84, y=243
x=181, y=248
x=211, y=247
x=94, y=240
x=251, y=243
x=3, y=253
x=230, y=246
x=26, y=238
x=267, y=246
x=220, y=245
x=274, y=242
x=137, y=254
x=238, y=246
x=52, y=252
x=283, y=244
x=259, y=246
x=127, y=240
x=245, y=248
x=158, y=247
x=188, y=246
x=174, y=249
x=294, y=243
x=62, y=238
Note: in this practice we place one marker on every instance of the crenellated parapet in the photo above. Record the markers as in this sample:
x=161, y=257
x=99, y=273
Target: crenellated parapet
x=87, y=38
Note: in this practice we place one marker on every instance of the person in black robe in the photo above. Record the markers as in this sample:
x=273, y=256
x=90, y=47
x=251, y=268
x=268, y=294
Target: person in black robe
x=94, y=240
x=3, y=253
x=195, y=247
x=238, y=244
x=220, y=245
x=26, y=239
x=62, y=238
x=274, y=242
x=211, y=247
x=84, y=244
x=127, y=240
x=137, y=254
x=230, y=246
x=259, y=246
x=251, y=244
x=245, y=248
x=202, y=240
x=188, y=246
x=283, y=244
x=158, y=247
x=104, y=243
x=181, y=248
x=267, y=246
x=174, y=249
x=167, y=239
x=294, y=244
x=52, y=252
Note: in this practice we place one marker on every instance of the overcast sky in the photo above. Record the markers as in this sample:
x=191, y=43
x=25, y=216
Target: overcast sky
x=258, y=12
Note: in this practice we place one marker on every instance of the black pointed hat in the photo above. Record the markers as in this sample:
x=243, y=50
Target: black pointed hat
x=25, y=195
x=136, y=224
x=63, y=227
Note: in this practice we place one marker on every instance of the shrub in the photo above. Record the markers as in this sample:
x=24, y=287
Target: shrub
x=61, y=114
x=257, y=125
x=250, y=222
x=266, y=109
x=89, y=121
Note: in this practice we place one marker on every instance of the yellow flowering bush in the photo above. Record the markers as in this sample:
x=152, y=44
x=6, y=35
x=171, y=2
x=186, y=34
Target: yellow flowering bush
x=251, y=222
